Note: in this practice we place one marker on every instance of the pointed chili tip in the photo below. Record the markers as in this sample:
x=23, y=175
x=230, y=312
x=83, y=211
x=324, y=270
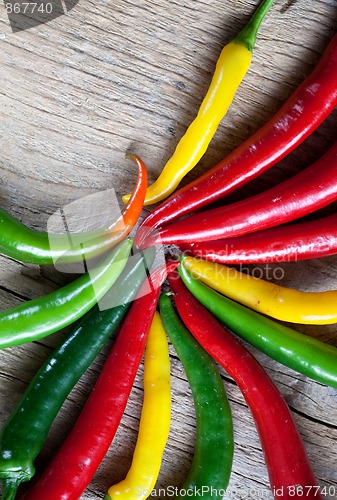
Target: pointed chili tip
x=132, y=156
x=137, y=159
x=146, y=239
x=158, y=276
x=172, y=266
x=140, y=236
x=142, y=173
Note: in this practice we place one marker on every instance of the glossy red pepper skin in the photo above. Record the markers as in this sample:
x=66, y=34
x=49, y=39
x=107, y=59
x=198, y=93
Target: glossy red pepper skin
x=308, y=191
x=74, y=465
x=285, y=455
x=290, y=243
x=300, y=115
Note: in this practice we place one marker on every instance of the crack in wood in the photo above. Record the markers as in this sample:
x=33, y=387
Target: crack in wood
x=312, y=419
x=13, y=377
x=134, y=59
x=286, y=6
x=15, y=294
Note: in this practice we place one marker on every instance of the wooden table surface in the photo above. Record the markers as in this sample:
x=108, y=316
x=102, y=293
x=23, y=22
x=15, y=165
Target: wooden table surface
x=121, y=75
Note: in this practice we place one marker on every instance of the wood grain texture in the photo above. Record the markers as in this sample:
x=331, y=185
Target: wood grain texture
x=129, y=75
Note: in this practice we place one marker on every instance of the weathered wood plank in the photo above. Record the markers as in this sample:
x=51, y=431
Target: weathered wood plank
x=111, y=77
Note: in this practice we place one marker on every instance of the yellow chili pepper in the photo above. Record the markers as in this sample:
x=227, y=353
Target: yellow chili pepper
x=231, y=67
x=154, y=422
x=286, y=304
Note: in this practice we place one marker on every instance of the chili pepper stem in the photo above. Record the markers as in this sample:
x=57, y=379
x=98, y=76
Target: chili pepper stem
x=9, y=488
x=247, y=35
x=231, y=67
x=316, y=97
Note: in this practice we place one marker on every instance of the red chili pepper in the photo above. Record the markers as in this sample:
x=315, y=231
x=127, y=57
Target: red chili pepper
x=300, y=115
x=290, y=243
x=290, y=473
x=74, y=465
x=313, y=188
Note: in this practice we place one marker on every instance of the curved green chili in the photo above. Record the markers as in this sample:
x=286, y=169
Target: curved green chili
x=298, y=351
x=26, y=429
x=40, y=317
x=38, y=247
x=155, y=420
x=75, y=463
x=289, y=469
x=214, y=449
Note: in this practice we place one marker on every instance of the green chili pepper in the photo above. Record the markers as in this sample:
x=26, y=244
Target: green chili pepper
x=24, y=433
x=38, y=247
x=298, y=351
x=40, y=317
x=213, y=456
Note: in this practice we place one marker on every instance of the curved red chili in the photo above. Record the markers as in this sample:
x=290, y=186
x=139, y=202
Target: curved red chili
x=289, y=243
x=290, y=473
x=300, y=115
x=313, y=188
x=74, y=465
